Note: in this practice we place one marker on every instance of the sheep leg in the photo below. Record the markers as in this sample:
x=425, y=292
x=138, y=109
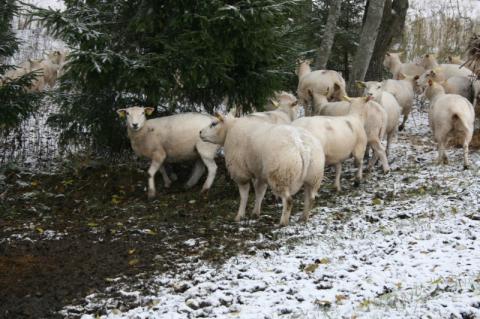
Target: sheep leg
x=207, y=153
x=212, y=171
x=442, y=155
x=466, y=162
x=309, y=198
x=287, y=203
x=338, y=173
x=380, y=153
x=405, y=118
x=167, y=182
x=260, y=189
x=243, y=189
x=359, y=175
x=154, y=167
x=197, y=172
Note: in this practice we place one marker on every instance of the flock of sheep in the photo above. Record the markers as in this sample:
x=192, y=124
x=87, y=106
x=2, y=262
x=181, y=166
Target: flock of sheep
x=47, y=70
x=277, y=149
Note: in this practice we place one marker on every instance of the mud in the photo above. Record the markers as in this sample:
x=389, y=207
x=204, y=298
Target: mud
x=70, y=233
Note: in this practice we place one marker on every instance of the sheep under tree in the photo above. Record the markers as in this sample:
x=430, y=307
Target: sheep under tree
x=171, y=139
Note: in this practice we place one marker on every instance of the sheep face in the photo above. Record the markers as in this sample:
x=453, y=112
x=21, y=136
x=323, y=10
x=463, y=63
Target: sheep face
x=372, y=88
x=216, y=132
x=135, y=116
x=390, y=58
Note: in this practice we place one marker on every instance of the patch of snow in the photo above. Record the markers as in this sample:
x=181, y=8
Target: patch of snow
x=401, y=246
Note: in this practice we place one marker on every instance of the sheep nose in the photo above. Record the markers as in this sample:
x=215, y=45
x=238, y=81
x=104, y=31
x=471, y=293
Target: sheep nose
x=135, y=125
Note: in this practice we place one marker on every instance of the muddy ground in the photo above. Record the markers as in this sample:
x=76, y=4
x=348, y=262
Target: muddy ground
x=66, y=234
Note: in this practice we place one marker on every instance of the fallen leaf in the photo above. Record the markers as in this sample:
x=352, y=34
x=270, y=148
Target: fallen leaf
x=311, y=268
x=133, y=262
x=340, y=298
x=39, y=230
x=92, y=224
x=131, y=251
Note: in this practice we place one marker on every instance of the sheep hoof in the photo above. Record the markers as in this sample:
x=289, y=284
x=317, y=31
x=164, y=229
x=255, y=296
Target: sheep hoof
x=282, y=224
x=303, y=219
x=356, y=183
x=401, y=127
x=386, y=171
x=204, y=192
x=465, y=167
x=187, y=186
x=167, y=185
x=238, y=218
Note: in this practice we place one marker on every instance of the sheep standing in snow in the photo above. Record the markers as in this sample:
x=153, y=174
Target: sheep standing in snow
x=404, y=91
x=171, y=139
x=326, y=82
x=375, y=125
x=449, y=113
x=460, y=85
x=389, y=103
x=429, y=62
x=340, y=136
x=285, y=109
x=49, y=72
x=393, y=64
x=280, y=156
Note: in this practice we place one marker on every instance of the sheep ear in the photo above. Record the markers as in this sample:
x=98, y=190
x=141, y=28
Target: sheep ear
x=219, y=116
x=416, y=77
x=401, y=76
x=387, y=54
x=310, y=93
x=360, y=84
x=430, y=82
x=149, y=110
x=293, y=104
x=275, y=103
x=122, y=112
x=346, y=98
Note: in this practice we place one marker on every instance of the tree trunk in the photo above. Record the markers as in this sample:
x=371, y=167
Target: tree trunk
x=328, y=35
x=368, y=37
x=391, y=28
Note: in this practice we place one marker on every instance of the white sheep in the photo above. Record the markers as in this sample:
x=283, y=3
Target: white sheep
x=455, y=60
x=326, y=82
x=48, y=71
x=171, y=139
x=429, y=62
x=449, y=113
x=393, y=64
x=460, y=85
x=279, y=156
x=285, y=109
x=340, y=136
x=375, y=125
x=389, y=103
x=303, y=68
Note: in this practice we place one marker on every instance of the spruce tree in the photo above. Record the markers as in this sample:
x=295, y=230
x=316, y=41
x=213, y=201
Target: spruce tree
x=178, y=55
x=16, y=104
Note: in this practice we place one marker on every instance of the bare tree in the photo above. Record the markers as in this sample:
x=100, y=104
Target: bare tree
x=373, y=18
x=328, y=34
x=391, y=29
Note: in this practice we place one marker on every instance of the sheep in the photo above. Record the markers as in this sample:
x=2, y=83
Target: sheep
x=327, y=82
x=340, y=136
x=286, y=110
x=389, y=103
x=460, y=85
x=280, y=156
x=49, y=72
x=476, y=97
x=455, y=60
x=17, y=72
x=375, y=125
x=429, y=62
x=303, y=68
x=449, y=113
x=171, y=139
x=393, y=64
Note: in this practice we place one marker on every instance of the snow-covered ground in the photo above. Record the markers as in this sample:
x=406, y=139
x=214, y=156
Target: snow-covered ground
x=403, y=245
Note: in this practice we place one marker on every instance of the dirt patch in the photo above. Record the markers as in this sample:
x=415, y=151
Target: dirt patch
x=65, y=235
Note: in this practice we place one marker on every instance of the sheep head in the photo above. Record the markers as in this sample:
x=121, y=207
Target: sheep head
x=135, y=116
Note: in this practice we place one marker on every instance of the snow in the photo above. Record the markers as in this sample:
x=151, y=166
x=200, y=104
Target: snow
x=402, y=246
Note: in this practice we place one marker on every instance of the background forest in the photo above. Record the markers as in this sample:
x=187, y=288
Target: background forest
x=193, y=55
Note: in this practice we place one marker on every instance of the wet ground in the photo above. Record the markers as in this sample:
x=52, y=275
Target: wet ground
x=67, y=234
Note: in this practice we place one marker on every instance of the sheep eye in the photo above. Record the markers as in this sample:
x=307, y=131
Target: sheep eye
x=213, y=124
